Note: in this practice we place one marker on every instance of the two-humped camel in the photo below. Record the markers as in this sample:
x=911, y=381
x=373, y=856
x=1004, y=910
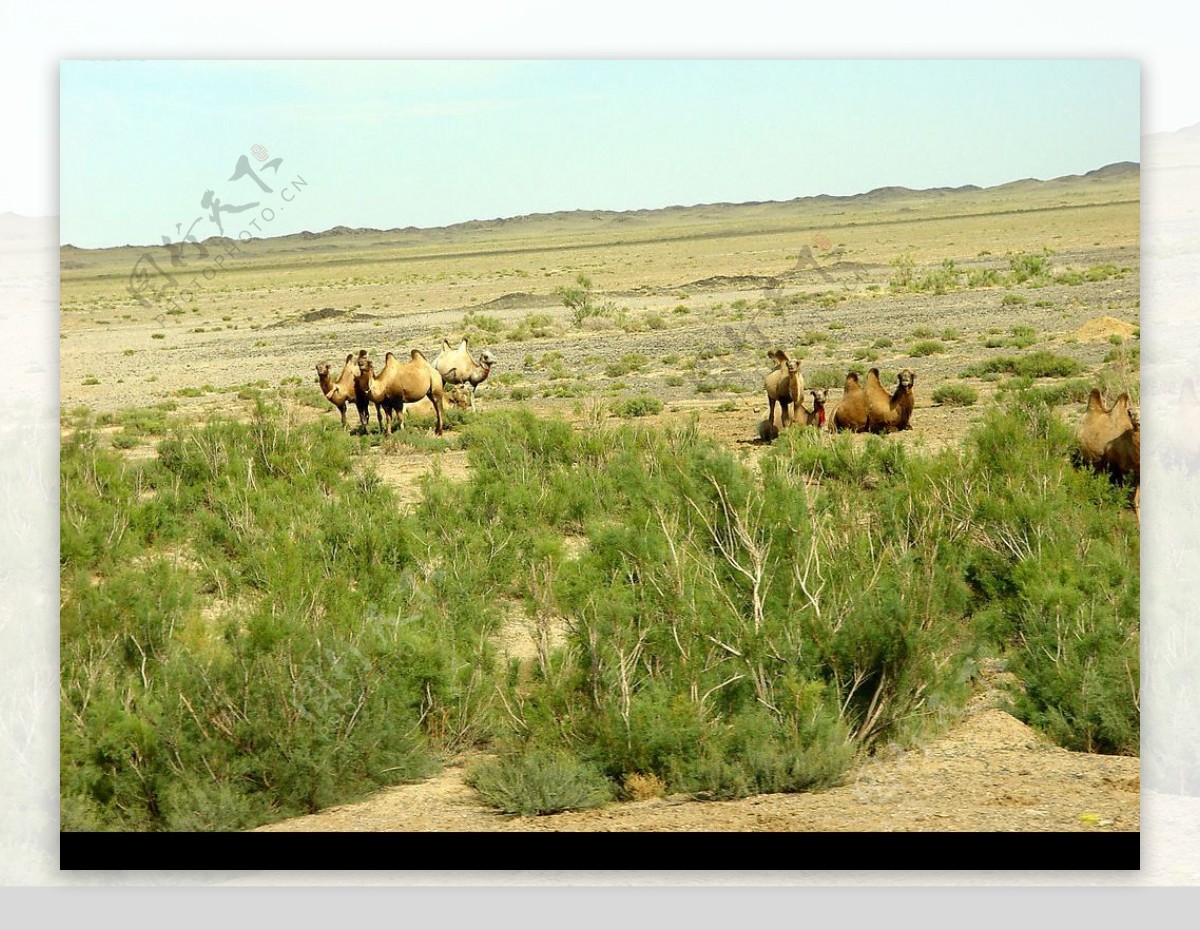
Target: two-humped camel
x=396, y=384
x=457, y=366
x=871, y=409
x=784, y=386
x=345, y=389
x=1109, y=440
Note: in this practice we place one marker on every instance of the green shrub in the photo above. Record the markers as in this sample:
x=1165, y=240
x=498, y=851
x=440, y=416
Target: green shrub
x=1027, y=266
x=926, y=347
x=540, y=783
x=1022, y=337
x=955, y=395
x=1040, y=364
x=1011, y=300
x=983, y=277
x=637, y=407
x=629, y=362
x=263, y=673
x=824, y=377
x=1055, y=395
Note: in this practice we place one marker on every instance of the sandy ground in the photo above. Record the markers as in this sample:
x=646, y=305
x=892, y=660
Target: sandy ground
x=1000, y=775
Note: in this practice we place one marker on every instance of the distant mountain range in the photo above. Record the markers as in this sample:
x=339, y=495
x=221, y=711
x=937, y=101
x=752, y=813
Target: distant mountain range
x=700, y=212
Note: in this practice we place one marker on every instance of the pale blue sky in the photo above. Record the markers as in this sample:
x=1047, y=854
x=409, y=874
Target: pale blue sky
x=429, y=143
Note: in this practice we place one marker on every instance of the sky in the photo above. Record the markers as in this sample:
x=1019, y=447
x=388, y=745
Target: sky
x=429, y=143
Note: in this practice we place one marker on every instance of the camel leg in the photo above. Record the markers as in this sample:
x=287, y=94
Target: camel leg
x=378, y=416
x=771, y=412
x=342, y=409
x=784, y=418
x=436, y=400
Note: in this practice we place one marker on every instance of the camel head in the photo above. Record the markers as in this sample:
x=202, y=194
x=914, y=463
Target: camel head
x=906, y=379
x=781, y=359
x=818, y=399
x=322, y=371
x=486, y=359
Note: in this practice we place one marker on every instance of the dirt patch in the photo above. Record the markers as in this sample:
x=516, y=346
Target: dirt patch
x=1101, y=328
x=403, y=472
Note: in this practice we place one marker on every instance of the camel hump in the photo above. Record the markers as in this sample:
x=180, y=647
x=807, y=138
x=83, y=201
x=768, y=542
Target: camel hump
x=1094, y=401
x=349, y=358
x=416, y=354
x=778, y=355
x=445, y=345
x=390, y=355
x=463, y=344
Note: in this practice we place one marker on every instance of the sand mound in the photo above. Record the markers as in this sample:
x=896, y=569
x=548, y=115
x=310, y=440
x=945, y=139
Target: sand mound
x=1102, y=327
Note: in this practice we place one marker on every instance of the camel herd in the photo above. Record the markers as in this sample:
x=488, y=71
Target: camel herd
x=869, y=409
x=1108, y=440
x=398, y=384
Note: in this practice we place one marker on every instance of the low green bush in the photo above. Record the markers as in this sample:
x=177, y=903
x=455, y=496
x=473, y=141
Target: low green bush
x=955, y=395
x=540, y=783
x=637, y=407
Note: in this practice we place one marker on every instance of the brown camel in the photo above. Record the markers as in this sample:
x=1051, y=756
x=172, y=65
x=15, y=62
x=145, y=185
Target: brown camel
x=785, y=386
x=401, y=383
x=1109, y=440
x=887, y=413
x=340, y=391
x=851, y=413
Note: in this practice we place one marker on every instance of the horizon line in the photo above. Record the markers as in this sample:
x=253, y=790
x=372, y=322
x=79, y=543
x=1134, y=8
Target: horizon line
x=543, y=213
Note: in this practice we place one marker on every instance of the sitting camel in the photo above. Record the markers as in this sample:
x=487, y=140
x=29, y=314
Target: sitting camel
x=887, y=413
x=851, y=413
x=816, y=416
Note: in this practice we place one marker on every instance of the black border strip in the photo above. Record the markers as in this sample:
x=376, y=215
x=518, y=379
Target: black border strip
x=973, y=852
